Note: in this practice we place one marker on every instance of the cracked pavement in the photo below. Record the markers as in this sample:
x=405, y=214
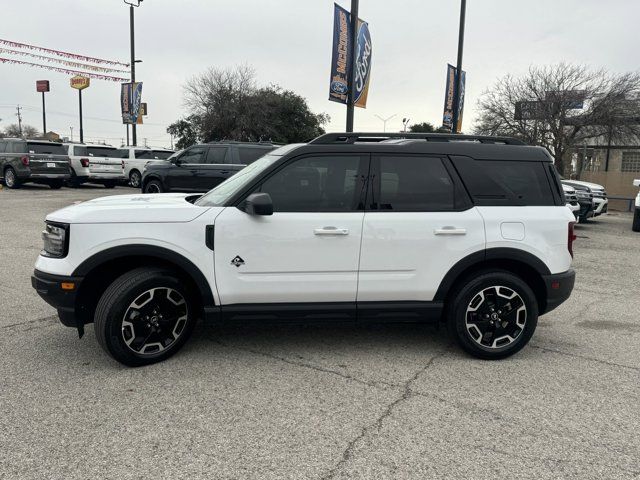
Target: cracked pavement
x=323, y=402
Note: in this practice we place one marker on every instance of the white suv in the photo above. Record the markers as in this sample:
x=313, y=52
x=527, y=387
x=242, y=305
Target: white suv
x=600, y=200
x=636, y=213
x=135, y=158
x=94, y=164
x=469, y=230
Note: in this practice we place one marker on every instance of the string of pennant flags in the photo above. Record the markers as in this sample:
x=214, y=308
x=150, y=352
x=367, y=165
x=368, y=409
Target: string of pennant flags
x=98, y=76
x=67, y=62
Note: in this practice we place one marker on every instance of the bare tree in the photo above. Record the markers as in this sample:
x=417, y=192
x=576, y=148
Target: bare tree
x=562, y=106
x=28, y=131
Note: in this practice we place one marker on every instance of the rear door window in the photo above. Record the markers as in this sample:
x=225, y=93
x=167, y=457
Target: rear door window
x=193, y=155
x=3, y=147
x=102, y=152
x=503, y=182
x=412, y=183
x=249, y=155
x=217, y=155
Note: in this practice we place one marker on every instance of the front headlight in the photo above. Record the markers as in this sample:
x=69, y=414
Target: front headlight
x=583, y=194
x=56, y=240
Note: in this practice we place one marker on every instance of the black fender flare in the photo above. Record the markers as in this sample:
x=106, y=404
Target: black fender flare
x=482, y=256
x=153, y=251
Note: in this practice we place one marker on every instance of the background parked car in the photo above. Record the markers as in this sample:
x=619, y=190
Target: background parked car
x=135, y=158
x=636, y=213
x=94, y=164
x=585, y=200
x=600, y=200
x=36, y=161
x=201, y=167
x=572, y=200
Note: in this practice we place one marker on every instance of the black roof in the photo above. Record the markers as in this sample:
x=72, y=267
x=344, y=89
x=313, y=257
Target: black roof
x=235, y=142
x=475, y=146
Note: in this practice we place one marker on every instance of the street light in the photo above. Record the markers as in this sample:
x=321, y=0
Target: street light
x=133, y=3
x=385, y=120
x=405, y=122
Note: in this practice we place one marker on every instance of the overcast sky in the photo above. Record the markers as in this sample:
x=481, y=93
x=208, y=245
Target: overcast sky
x=288, y=42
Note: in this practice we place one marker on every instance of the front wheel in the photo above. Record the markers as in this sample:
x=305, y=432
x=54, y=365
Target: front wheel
x=10, y=178
x=144, y=316
x=493, y=314
x=636, y=220
x=135, y=178
x=153, y=186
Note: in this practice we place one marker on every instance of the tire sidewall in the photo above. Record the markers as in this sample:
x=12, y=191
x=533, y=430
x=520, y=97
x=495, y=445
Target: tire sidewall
x=11, y=171
x=153, y=182
x=464, y=295
x=135, y=175
x=112, y=324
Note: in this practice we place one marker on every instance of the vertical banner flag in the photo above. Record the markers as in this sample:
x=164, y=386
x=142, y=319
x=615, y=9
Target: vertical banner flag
x=130, y=99
x=449, y=93
x=341, y=56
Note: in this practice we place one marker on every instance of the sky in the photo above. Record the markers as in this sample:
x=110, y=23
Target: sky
x=288, y=43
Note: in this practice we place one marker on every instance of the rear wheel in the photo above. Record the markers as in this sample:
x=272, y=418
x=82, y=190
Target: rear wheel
x=636, y=221
x=153, y=186
x=110, y=184
x=55, y=185
x=135, y=178
x=493, y=314
x=10, y=178
x=144, y=317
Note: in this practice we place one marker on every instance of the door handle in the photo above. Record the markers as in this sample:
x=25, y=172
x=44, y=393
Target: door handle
x=449, y=230
x=330, y=231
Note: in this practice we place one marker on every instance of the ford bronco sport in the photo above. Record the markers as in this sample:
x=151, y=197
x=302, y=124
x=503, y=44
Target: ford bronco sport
x=472, y=231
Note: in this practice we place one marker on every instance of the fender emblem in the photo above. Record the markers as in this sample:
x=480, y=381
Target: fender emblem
x=238, y=261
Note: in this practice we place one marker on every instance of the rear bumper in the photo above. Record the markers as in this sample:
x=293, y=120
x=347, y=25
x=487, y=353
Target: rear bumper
x=558, y=288
x=49, y=287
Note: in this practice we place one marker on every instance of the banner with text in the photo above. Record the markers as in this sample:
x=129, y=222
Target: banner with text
x=130, y=99
x=341, y=59
x=449, y=94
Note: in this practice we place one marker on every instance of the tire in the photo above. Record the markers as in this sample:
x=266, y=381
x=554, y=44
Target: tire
x=56, y=185
x=11, y=179
x=153, y=186
x=135, y=178
x=121, y=324
x=110, y=184
x=73, y=182
x=636, y=220
x=473, y=299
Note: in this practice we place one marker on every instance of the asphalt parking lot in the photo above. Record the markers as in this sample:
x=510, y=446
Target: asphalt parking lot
x=298, y=402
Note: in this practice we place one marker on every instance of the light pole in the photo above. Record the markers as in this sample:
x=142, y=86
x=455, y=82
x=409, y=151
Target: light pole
x=458, y=87
x=71, y=128
x=351, y=98
x=385, y=120
x=405, y=122
x=133, y=3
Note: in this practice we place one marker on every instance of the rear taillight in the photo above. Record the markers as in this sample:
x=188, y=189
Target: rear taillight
x=571, y=238
x=25, y=160
x=84, y=162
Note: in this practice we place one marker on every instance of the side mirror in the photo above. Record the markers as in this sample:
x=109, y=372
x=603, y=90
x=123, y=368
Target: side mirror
x=258, y=204
x=176, y=161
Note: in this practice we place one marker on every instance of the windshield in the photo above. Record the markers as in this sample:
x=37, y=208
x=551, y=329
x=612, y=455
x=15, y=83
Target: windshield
x=44, y=148
x=220, y=194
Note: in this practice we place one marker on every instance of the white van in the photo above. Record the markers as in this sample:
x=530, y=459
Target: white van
x=94, y=164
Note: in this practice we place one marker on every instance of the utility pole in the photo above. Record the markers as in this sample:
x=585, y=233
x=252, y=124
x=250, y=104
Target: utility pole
x=134, y=134
x=456, y=97
x=352, y=64
x=71, y=128
x=18, y=108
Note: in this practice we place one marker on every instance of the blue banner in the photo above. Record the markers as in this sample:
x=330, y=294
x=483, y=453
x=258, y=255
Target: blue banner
x=449, y=95
x=130, y=100
x=341, y=59
x=340, y=71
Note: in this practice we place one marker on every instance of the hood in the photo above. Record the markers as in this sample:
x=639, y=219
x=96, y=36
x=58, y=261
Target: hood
x=593, y=186
x=147, y=208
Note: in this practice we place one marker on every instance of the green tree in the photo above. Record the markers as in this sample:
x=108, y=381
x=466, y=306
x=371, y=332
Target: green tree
x=424, y=127
x=227, y=105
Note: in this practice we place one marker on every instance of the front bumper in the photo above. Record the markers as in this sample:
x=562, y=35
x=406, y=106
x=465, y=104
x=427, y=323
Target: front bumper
x=50, y=288
x=558, y=288
x=601, y=205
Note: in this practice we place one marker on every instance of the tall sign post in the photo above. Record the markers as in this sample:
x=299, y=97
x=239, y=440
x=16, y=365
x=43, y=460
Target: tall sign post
x=456, y=124
x=43, y=86
x=132, y=4
x=80, y=83
x=351, y=101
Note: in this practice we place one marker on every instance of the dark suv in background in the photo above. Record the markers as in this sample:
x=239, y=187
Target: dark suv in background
x=201, y=167
x=36, y=161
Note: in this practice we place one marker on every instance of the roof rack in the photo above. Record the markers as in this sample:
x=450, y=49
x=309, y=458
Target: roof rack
x=333, y=138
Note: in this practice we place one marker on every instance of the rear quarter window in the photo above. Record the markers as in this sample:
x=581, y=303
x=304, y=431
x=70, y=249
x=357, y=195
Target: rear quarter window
x=249, y=155
x=504, y=182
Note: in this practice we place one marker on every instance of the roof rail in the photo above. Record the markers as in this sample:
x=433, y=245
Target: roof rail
x=333, y=138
